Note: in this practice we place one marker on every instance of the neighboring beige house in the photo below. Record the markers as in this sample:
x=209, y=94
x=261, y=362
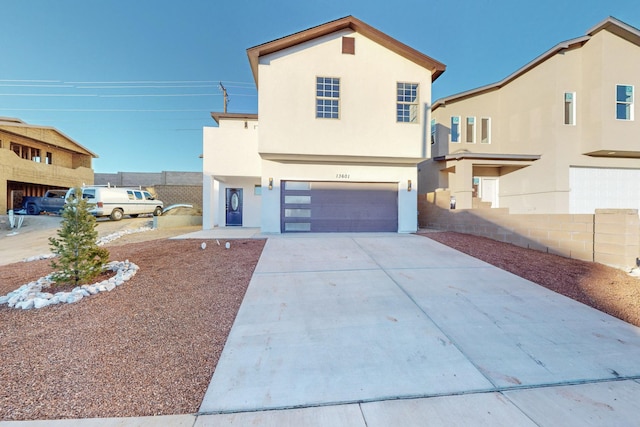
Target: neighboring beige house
x=343, y=122
x=557, y=136
x=34, y=159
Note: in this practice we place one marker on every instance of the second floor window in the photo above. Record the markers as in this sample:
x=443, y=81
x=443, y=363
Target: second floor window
x=455, y=129
x=485, y=130
x=407, y=103
x=624, y=102
x=327, y=98
x=471, y=130
x=569, y=108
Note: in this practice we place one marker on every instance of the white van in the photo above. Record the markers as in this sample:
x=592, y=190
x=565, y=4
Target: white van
x=117, y=202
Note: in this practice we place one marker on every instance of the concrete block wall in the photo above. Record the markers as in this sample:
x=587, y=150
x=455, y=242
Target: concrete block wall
x=172, y=194
x=145, y=179
x=616, y=234
x=609, y=237
x=169, y=186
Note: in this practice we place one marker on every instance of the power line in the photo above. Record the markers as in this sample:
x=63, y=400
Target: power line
x=105, y=110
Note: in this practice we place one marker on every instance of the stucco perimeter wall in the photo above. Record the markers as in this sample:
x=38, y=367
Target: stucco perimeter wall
x=611, y=236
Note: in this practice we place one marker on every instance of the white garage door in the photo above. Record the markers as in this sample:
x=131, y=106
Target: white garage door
x=600, y=188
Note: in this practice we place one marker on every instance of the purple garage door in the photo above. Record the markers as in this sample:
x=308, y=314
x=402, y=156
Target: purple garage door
x=339, y=206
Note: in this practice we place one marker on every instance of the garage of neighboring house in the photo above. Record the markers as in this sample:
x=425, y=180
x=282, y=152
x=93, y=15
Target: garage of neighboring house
x=314, y=206
x=603, y=188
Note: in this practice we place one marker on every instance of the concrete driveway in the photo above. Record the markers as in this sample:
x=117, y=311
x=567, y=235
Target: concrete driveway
x=387, y=329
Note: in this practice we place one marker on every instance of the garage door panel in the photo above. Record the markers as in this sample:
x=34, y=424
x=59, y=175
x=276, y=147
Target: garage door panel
x=348, y=225
x=603, y=188
x=341, y=207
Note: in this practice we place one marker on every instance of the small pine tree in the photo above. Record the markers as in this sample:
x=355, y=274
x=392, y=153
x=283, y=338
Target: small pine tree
x=79, y=259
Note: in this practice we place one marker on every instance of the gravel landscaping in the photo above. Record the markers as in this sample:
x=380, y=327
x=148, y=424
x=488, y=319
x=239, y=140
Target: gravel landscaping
x=147, y=348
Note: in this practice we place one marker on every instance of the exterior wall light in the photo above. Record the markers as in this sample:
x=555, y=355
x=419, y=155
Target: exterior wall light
x=270, y=183
x=409, y=185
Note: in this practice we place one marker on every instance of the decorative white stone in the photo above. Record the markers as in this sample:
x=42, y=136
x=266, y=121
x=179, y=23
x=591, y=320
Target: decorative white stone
x=41, y=302
x=25, y=296
x=74, y=297
x=25, y=305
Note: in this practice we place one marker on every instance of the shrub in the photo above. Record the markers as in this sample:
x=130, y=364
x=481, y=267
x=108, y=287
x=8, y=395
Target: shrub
x=79, y=259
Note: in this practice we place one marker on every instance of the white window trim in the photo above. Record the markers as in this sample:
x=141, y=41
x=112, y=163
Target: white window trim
x=459, y=130
x=488, y=119
x=339, y=98
x=473, y=134
x=632, y=103
x=573, y=109
x=416, y=103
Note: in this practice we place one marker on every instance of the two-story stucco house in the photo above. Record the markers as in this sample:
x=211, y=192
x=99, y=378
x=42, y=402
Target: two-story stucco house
x=343, y=121
x=36, y=158
x=559, y=135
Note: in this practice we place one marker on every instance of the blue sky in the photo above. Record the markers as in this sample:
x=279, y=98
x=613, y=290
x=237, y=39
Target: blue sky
x=135, y=81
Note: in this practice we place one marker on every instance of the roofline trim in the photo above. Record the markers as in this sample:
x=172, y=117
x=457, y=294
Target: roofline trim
x=578, y=41
x=609, y=21
x=22, y=124
x=625, y=30
x=348, y=22
x=488, y=156
x=233, y=116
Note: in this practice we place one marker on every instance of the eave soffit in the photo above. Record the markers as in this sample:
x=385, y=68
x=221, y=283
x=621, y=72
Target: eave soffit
x=348, y=22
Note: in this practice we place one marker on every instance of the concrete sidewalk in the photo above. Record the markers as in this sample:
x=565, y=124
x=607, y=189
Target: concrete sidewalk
x=385, y=329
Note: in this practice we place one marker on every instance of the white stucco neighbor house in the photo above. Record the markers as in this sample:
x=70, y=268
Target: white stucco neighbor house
x=343, y=121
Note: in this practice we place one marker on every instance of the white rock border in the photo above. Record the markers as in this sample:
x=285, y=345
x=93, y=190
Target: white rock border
x=31, y=295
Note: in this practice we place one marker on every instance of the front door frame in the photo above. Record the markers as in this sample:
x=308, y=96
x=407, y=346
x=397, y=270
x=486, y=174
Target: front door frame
x=233, y=207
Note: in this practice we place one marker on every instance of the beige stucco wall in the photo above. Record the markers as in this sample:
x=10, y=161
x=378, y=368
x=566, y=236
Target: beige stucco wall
x=527, y=117
x=367, y=124
x=364, y=145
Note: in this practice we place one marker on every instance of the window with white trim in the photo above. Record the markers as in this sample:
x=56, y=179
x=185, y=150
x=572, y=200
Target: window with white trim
x=407, y=102
x=569, y=108
x=485, y=130
x=455, y=129
x=470, y=130
x=624, y=102
x=327, y=98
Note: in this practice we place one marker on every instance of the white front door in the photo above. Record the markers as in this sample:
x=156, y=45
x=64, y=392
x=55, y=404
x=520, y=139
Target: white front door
x=489, y=191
